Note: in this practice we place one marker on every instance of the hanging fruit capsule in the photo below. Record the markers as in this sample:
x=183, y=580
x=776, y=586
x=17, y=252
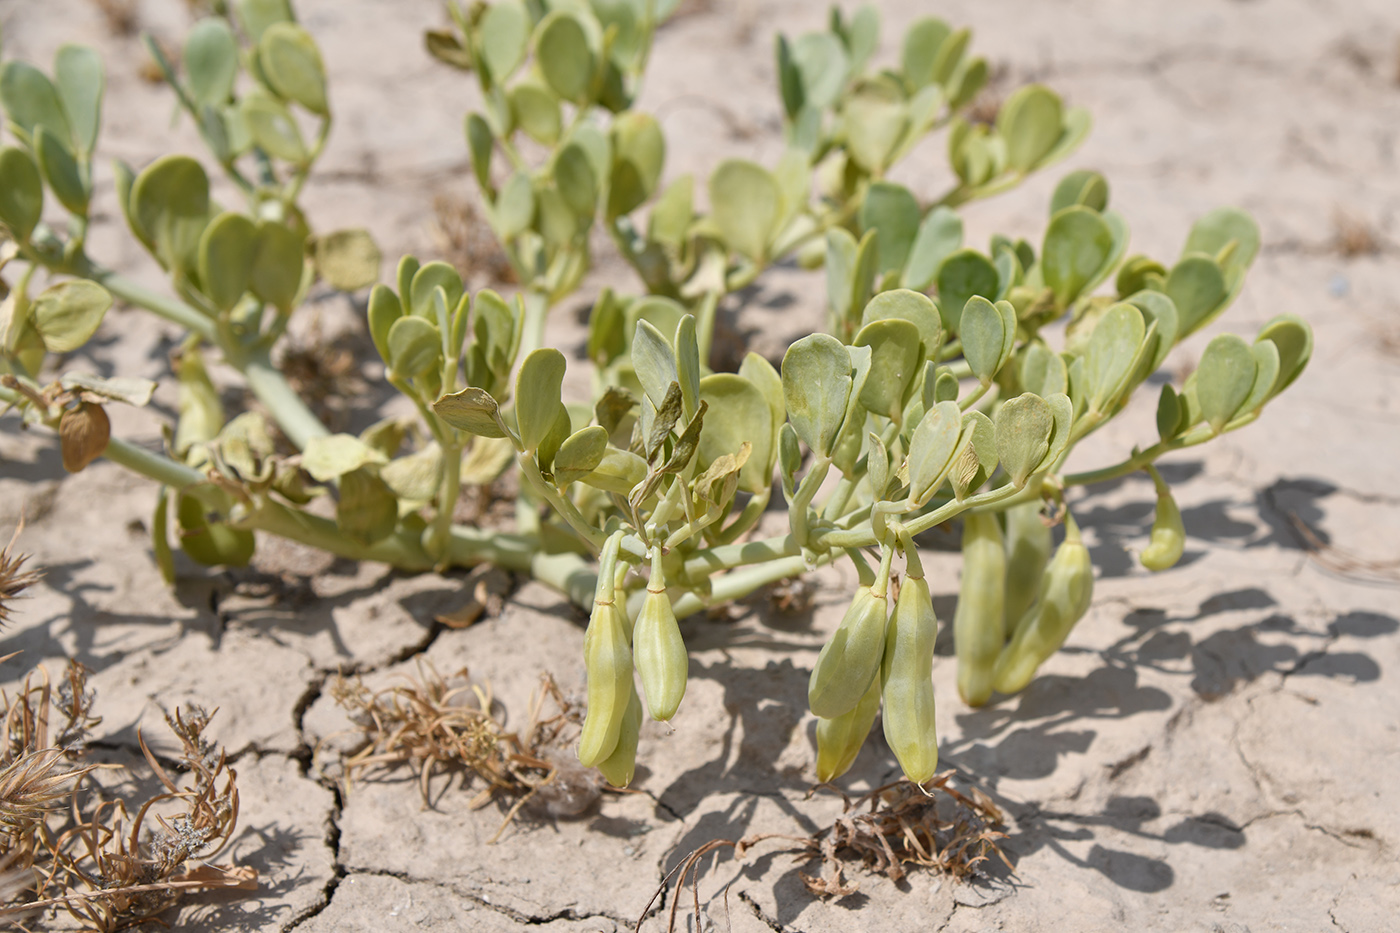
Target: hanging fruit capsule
x=620, y=765
x=1065, y=592
x=1028, y=547
x=1168, y=533
x=906, y=675
x=850, y=660
x=608, y=659
x=978, y=624
x=609, y=662
x=839, y=739
x=658, y=649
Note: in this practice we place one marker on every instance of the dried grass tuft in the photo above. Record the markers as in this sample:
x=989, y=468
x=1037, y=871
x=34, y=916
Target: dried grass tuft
x=121, y=16
x=893, y=826
x=64, y=843
x=1353, y=235
x=448, y=726
x=466, y=243
x=14, y=579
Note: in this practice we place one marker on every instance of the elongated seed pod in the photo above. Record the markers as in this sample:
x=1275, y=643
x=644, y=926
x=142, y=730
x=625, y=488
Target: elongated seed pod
x=839, y=739
x=978, y=623
x=1065, y=593
x=1168, y=533
x=660, y=655
x=906, y=674
x=622, y=763
x=1028, y=547
x=609, y=662
x=850, y=660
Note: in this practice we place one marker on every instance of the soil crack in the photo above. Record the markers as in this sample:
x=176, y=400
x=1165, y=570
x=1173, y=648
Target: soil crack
x=766, y=920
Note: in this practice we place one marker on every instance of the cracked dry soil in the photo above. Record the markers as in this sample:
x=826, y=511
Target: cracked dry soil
x=1210, y=752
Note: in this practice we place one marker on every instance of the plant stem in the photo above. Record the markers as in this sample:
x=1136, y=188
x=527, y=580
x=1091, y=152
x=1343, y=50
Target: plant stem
x=152, y=465
x=448, y=492
x=712, y=560
x=267, y=383
x=173, y=310
x=532, y=326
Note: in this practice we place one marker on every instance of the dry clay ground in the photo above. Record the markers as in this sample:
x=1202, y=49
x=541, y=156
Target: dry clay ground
x=1215, y=748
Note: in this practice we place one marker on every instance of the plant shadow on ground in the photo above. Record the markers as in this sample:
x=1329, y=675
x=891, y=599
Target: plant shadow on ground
x=1027, y=737
x=282, y=609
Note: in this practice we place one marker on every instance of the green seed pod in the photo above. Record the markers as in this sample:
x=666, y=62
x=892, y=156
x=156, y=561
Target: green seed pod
x=1065, y=591
x=850, y=660
x=660, y=655
x=839, y=739
x=1028, y=547
x=978, y=625
x=609, y=662
x=1168, y=534
x=620, y=765
x=906, y=676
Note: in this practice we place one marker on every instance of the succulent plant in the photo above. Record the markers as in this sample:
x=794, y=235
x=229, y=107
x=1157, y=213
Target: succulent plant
x=953, y=381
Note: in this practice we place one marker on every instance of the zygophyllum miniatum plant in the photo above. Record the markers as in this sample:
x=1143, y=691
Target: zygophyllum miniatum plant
x=953, y=382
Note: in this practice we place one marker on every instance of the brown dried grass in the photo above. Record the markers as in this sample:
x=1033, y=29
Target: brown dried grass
x=65, y=843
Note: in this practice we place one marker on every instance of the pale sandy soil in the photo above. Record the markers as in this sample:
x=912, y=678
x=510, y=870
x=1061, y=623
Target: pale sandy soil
x=1214, y=750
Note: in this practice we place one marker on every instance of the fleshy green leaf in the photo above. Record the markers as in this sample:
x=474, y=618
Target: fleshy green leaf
x=912, y=306
x=1043, y=371
x=504, y=32
x=257, y=15
x=896, y=357
x=816, y=377
x=939, y=236
x=66, y=315
x=415, y=346
x=822, y=66
x=1293, y=337
x=273, y=129
x=31, y=101
x=537, y=395
x=278, y=263
x=330, y=457
x=1084, y=188
x=211, y=61
x=1023, y=428
x=564, y=56
x=1196, y=285
x=211, y=543
x=60, y=170
x=746, y=203
x=580, y=454
x=472, y=410
x=536, y=111
x=983, y=337
x=78, y=76
x=226, y=253
x=892, y=210
x=21, y=192
x=738, y=412
x=293, y=67
x=1030, y=122
x=962, y=275
x=1224, y=379
x=1078, y=243
x=367, y=510
x=931, y=451
x=348, y=259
